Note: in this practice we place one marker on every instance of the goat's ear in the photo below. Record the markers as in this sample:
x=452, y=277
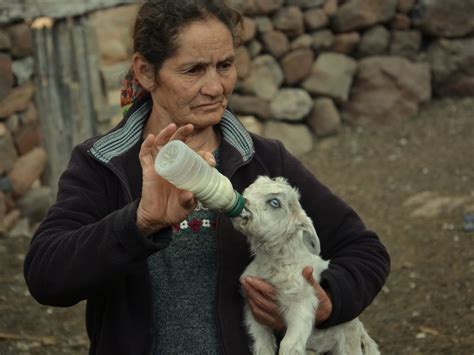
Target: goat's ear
x=309, y=235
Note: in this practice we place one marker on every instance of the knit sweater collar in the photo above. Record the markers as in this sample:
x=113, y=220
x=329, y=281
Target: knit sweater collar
x=129, y=132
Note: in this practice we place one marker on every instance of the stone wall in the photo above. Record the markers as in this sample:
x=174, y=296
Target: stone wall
x=307, y=67
x=23, y=198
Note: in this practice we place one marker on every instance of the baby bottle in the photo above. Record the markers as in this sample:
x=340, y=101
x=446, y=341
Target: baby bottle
x=187, y=170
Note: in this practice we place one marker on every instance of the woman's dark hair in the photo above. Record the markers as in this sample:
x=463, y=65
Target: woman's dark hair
x=159, y=22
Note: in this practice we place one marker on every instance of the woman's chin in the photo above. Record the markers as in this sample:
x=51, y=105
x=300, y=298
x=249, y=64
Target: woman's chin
x=205, y=119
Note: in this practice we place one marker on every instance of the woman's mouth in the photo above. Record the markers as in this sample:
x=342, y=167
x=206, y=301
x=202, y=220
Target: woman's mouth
x=210, y=105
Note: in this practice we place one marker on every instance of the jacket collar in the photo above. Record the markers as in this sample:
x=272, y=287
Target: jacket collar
x=128, y=133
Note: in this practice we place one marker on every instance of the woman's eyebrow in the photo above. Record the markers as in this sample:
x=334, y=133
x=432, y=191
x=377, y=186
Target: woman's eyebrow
x=191, y=63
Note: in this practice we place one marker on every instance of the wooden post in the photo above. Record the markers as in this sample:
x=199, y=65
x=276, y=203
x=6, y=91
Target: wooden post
x=49, y=105
x=71, y=98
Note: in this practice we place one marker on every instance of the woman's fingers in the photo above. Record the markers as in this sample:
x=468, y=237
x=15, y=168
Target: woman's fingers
x=187, y=200
x=308, y=275
x=182, y=133
x=264, y=317
x=208, y=157
x=170, y=133
x=261, y=287
x=325, y=303
x=261, y=298
x=152, y=144
x=165, y=134
x=146, y=149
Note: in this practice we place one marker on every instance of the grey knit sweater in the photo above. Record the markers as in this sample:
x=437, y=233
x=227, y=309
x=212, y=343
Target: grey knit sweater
x=183, y=279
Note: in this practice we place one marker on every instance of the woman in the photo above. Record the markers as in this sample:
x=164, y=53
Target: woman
x=160, y=273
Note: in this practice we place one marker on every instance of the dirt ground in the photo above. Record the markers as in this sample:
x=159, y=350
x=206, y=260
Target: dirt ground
x=411, y=181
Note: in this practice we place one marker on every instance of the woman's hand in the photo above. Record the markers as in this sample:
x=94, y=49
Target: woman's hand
x=261, y=297
x=162, y=204
x=325, y=303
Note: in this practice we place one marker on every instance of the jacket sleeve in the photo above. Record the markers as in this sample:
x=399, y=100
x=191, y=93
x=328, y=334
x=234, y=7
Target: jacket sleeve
x=83, y=245
x=359, y=262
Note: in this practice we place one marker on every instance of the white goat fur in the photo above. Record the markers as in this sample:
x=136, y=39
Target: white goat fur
x=284, y=241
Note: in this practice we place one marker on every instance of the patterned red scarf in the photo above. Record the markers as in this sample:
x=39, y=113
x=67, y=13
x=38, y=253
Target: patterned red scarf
x=131, y=90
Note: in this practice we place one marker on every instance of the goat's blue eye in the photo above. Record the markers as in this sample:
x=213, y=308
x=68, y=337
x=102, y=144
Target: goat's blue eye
x=274, y=202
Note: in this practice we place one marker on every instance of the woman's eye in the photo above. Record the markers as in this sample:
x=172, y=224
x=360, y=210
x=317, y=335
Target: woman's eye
x=226, y=65
x=193, y=70
x=275, y=203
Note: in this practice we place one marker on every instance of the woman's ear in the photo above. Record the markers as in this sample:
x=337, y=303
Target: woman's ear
x=144, y=71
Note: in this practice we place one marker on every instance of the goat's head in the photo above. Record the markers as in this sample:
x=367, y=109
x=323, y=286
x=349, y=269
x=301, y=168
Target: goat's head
x=273, y=215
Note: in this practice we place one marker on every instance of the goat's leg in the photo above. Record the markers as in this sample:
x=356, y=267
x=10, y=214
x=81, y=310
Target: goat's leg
x=300, y=321
x=264, y=342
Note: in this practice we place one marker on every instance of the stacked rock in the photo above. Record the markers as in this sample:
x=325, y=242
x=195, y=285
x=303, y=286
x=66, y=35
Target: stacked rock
x=357, y=61
x=23, y=198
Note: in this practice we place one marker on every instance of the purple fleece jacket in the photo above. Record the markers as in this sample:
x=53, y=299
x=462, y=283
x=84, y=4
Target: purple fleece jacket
x=88, y=246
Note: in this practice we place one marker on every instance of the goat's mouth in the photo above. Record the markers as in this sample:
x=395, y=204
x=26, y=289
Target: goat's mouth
x=245, y=215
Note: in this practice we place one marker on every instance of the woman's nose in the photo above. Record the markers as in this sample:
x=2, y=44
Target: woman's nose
x=212, y=85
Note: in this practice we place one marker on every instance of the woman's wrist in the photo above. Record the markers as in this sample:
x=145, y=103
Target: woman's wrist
x=146, y=228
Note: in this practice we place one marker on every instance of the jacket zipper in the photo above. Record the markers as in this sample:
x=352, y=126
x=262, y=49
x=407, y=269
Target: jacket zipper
x=219, y=243
x=130, y=199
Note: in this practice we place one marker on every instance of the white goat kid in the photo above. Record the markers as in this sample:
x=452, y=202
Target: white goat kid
x=283, y=240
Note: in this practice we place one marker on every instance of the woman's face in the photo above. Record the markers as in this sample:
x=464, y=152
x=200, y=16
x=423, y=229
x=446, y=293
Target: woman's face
x=195, y=84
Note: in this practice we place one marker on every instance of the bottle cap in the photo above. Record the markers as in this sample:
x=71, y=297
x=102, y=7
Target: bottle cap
x=237, y=207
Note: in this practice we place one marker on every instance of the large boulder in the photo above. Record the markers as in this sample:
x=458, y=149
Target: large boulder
x=252, y=124
x=452, y=65
x=265, y=78
x=332, y=76
x=248, y=30
x=264, y=24
x=291, y=104
x=35, y=203
x=406, y=43
x=441, y=18
x=250, y=105
x=275, y=42
x=5, y=43
x=243, y=62
x=246, y=7
x=8, y=154
x=357, y=14
x=26, y=170
x=324, y=118
x=305, y=4
x=21, y=40
x=265, y=7
x=297, y=138
x=297, y=65
x=17, y=100
x=289, y=20
x=374, y=41
x=405, y=6
x=315, y=19
x=322, y=40
x=6, y=74
x=346, y=42
x=387, y=88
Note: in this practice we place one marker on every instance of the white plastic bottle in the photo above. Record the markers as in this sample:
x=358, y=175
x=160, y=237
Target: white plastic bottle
x=187, y=170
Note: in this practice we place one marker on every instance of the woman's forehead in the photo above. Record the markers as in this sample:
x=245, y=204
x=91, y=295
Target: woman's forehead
x=203, y=38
